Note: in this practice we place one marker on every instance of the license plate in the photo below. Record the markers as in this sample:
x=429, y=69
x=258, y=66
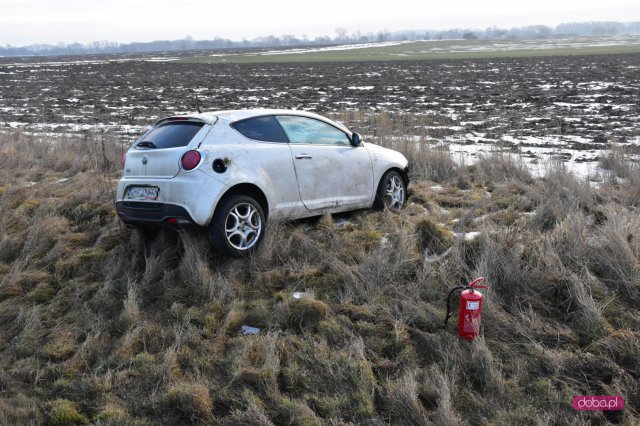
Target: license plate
x=142, y=193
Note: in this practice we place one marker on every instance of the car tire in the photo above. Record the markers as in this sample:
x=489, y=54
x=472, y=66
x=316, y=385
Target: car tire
x=237, y=226
x=392, y=191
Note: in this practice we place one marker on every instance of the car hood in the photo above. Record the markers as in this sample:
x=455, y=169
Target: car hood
x=379, y=153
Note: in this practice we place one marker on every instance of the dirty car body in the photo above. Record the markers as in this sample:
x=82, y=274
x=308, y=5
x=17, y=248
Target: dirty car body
x=231, y=170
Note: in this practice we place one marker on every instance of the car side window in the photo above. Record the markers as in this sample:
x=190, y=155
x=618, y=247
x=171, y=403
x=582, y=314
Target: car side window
x=264, y=129
x=311, y=131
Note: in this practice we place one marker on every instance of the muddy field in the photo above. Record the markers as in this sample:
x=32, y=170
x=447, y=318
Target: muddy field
x=570, y=107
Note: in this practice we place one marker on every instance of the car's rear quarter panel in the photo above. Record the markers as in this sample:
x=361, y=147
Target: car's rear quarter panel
x=267, y=165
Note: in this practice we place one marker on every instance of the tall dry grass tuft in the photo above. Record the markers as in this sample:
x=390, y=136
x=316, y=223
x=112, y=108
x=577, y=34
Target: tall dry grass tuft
x=500, y=166
x=614, y=251
x=404, y=406
x=388, y=267
x=197, y=277
x=426, y=161
x=191, y=402
x=445, y=413
x=20, y=410
x=259, y=364
x=587, y=317
x=570, y=239
x=562, y=196
x=622, y=175
x=632, y=186
x=482, y=369
x=616, y=164
x=131, y=308
x=500, y=263
x=253, y=415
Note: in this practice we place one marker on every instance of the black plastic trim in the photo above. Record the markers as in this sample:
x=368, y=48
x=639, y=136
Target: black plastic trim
x=140, y=213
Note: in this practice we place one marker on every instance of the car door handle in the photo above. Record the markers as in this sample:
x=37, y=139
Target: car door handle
x=303, y=156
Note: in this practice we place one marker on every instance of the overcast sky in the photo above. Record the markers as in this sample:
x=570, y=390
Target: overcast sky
x=52, y=21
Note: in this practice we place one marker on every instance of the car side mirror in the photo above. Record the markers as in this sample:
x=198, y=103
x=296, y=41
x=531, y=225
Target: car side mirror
x=356, y=139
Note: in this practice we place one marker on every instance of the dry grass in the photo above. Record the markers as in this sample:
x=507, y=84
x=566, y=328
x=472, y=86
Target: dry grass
x=99, y=325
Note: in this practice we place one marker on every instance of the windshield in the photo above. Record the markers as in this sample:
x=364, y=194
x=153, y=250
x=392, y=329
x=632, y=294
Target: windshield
x=169, y=135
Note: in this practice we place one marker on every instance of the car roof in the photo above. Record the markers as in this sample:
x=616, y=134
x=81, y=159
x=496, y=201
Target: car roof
x=241, y=114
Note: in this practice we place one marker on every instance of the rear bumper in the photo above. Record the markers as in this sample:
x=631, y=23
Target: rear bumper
x=188, y=195
x=144, y=213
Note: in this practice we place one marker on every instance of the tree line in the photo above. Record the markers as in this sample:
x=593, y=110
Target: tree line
x=342, y=36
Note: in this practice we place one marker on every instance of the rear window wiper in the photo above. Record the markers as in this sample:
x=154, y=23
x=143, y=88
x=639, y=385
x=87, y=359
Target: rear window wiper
x=145, y=144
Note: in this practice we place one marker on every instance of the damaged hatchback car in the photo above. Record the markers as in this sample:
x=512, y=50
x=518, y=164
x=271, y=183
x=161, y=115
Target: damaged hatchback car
x=231, y=171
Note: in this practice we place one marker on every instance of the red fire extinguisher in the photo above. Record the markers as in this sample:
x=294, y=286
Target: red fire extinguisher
x=470, y=309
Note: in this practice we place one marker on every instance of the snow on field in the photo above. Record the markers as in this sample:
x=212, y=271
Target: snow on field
x=568, y=109
x=537, y=159
x=327, y=49
x=71, y=128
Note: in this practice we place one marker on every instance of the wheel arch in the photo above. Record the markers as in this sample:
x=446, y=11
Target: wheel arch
x=404, y=174
x=249, y=189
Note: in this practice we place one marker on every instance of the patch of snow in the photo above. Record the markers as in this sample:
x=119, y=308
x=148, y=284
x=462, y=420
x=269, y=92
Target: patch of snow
x=470, y=236
x=161, y=59
x=384, y=242
x=330, y=48
x=341, y=222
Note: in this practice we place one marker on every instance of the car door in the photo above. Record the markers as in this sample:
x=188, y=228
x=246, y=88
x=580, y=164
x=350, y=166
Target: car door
x=266, y=160
x=331, y=173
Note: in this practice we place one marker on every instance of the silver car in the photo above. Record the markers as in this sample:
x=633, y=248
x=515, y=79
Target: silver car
x=231, y=171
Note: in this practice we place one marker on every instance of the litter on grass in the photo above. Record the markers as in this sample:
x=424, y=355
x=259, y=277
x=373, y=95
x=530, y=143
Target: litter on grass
x=248, y=330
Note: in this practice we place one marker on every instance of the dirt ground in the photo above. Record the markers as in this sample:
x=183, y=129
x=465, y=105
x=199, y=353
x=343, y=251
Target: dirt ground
x=580, y=101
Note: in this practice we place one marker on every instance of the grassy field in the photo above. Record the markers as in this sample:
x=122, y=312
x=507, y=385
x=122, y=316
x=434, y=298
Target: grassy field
x=445, y=49
x=100, y=325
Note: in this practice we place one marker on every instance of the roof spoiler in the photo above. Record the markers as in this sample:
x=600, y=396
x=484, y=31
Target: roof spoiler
x=207, y=119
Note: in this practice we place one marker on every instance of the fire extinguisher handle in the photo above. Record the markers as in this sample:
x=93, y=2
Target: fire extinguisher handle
x=474, y=283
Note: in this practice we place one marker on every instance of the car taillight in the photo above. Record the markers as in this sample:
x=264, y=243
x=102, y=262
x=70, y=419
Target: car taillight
x=124, y=160
x=190, y=160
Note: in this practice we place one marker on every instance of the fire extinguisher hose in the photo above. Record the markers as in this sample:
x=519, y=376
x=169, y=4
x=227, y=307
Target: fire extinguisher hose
x=446, y=318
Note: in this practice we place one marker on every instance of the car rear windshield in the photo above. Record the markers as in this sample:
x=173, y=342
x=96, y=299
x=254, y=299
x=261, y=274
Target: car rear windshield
x=169, y=135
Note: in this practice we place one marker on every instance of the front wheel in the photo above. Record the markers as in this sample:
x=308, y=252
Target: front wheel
x=392, y=191
x=237, y=226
